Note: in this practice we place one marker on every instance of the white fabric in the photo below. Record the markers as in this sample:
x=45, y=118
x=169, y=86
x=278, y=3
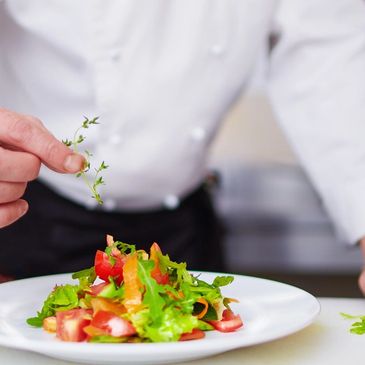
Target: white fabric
x=161, y=75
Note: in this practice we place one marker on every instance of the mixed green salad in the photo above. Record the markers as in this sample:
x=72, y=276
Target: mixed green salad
x=139, y=297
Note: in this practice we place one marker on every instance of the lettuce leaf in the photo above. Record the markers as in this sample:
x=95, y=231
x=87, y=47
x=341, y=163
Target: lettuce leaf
x=62, y=297
x=173, y=324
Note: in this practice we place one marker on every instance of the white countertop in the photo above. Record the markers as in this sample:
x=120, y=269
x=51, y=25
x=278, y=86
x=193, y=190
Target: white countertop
x=326, y=341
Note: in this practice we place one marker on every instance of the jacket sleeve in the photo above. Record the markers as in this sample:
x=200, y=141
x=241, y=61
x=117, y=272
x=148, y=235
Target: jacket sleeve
x=317, y=90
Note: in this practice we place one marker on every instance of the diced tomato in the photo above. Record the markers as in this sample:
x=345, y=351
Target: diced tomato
x=112, y=324
x=50, y=324
x=107, y=305
x=195, y=334
x=156, y=272
x=105, y=267
x=160, y=278
x=229, y=323
x=70, y=324
x=96, y=289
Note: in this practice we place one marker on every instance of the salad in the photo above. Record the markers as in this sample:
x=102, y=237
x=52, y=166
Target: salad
x=139, y=297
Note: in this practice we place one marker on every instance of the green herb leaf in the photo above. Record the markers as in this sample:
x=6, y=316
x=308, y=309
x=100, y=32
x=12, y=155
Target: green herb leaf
x=86, y=277
x=61, y=298
x=74, y=143
x=125, y=248
x=152, y=297
x=222, y=280
x=358, y=327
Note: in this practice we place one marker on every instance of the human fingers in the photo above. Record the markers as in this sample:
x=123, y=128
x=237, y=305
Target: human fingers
x=31, y=136
x=361, y=280
x=18, y=166
x=10, y=212
x=10, y=192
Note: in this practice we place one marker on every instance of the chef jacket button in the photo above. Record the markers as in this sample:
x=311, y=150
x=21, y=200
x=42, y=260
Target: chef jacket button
x=216, y=49
x=109, y=204
x=171, y=201
x=114, y=139
x=198, y=133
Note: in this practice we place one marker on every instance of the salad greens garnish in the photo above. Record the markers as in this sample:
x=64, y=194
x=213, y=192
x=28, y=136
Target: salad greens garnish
x=139, y=297
x=357, y=327
x=97, y=180
x=62, y=297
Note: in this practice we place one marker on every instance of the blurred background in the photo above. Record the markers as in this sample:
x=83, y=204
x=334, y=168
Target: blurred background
x=278, y=228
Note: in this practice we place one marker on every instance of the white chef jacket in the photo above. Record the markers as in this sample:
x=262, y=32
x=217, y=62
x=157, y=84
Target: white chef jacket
x=162, y=74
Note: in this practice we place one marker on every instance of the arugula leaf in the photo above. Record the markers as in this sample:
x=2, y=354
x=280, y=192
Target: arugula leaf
x=165, y=318
x=61, y=298
x=358, y=327
x=152, y=297
x=125, y=248
x=86, y=277
x=210, y=292
x=222, y=281
x=177, y=270
x=350, y=316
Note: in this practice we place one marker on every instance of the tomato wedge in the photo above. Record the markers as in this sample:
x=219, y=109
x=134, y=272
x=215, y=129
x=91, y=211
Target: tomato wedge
x=156, y=272
x=98, y=288
x=195, y=334
x=106, y=266
x=70, y=324
x=229, y=323
x=110, y=324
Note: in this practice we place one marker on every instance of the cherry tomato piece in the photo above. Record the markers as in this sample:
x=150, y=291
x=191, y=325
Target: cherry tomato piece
x=195, y=334
x=112, y=324
x=229, y=323
x=106, y=266
x=70, y=324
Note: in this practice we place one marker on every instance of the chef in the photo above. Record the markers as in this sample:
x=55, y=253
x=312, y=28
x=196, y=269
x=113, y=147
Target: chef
x=161, y=75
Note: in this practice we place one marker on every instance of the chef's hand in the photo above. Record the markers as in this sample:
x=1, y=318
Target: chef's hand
x=24, y=144
x=362, y=275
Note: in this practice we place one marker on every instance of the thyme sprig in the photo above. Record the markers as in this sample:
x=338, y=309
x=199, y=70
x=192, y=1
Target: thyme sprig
x=97, y=180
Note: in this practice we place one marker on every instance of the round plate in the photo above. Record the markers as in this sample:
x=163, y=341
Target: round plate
x=269, y=310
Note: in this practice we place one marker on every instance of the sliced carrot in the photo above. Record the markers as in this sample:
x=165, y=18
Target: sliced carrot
x=204, y=310
x=132, y=285
x=107, y=305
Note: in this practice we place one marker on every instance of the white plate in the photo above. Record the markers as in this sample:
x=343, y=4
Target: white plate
x=269, y=309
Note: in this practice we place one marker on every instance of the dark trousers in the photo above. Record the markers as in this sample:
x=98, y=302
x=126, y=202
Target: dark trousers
x=57, y=235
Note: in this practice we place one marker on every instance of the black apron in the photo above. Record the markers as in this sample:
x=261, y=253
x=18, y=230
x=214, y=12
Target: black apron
x=58, y=236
